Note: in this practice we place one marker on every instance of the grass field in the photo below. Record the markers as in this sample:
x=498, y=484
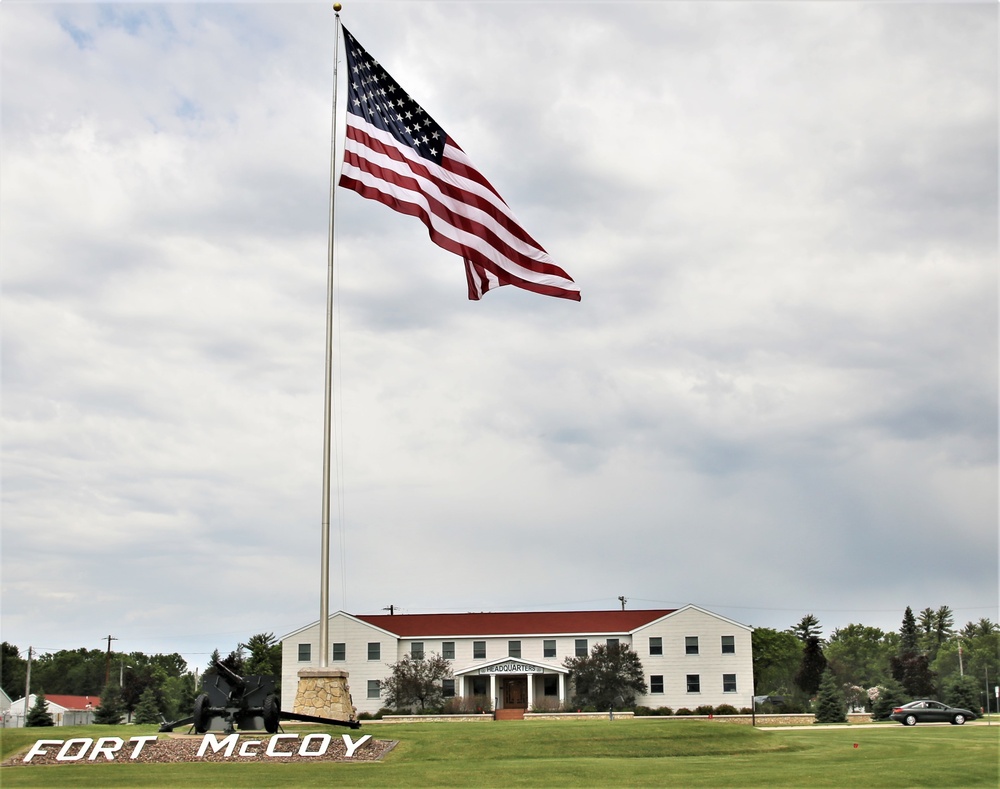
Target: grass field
x=573, y=754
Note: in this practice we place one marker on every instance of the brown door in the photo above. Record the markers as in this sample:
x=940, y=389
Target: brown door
x=515, y=693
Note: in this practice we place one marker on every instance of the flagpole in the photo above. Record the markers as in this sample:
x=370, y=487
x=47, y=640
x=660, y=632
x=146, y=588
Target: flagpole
x=324, y=583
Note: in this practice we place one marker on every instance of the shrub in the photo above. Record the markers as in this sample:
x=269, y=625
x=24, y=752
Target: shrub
x=546, y=704
x=704, y=709
x=746, y=711
x=684, y=711
x=666, y=711
x=726, y=709
x=641, y=711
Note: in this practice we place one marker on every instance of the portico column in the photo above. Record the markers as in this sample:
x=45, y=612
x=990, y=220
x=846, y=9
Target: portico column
x=562, y=690
x=460, y=686
x=493, y=691
x=531, y=690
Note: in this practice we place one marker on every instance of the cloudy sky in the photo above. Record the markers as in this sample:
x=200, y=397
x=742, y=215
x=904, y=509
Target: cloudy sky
x=777, y=397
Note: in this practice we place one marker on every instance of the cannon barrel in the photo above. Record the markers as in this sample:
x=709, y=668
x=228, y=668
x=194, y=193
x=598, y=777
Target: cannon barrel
x=231, y=675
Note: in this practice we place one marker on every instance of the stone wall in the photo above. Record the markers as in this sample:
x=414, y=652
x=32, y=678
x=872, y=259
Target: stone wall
x=324, y=692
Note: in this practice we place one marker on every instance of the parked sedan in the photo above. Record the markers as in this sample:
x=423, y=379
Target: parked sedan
x=926, y=711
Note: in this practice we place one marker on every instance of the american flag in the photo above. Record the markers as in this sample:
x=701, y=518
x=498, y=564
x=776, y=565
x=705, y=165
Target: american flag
x=397, y=154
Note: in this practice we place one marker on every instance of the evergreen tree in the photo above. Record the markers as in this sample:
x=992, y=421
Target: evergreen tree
x=39, y=715
x=147, y=711
x=830, y=704
x=111, y=710
x=214, y=658
x=890, y=695
x=265, y=655
x=812, y=667
x=807, y=627
x=908, y=633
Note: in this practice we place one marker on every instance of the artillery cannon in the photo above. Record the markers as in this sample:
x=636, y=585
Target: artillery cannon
x=229, y=701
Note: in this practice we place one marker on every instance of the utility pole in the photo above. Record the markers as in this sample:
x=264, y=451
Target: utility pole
x=27, y=685
x=623, y=599
x=107, y=665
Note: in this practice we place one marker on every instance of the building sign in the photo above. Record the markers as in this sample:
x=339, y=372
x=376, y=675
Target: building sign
x=512, y=667
x=114, y=748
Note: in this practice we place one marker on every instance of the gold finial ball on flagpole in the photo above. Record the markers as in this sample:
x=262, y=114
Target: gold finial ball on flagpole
x=337, y=7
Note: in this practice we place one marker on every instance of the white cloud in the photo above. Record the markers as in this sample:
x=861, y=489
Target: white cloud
x=783, y=220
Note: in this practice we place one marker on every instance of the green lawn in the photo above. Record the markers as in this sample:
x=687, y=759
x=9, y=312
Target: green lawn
x=577, y=754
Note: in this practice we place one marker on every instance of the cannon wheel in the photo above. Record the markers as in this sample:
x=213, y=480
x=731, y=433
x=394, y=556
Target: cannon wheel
x=272, y=713
x=202, y=714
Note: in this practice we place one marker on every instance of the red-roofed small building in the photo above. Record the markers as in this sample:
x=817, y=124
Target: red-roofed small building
x=691, y=657
x=65, y=710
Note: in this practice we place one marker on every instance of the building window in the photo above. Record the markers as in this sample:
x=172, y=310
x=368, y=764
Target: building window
x=656, y=683
x=550, y=684
x=448, y=688
x=374, y=650
x=448, y=650
x=374, y=688
x=417, y=650
x=480, y=686
x=305, y=653
x=514, y=649
x=729, y=645
x=581, y=647
x=691, y=645
x=655, y=645
x=339, y=651
x=694, y=683
x=728, y=683
x=612, y=642
x=479, y=650
x=549, y=648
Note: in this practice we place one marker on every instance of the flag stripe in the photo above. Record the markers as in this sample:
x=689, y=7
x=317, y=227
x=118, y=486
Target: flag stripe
x=447, y=185
x=395, y=153
x=473, y=248
x=451, y=209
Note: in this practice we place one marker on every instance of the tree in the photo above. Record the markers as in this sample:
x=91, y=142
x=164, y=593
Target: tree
x=890, y=694
x=830, y=704
x=265, y=655
x=110, y=712
x=39, y=715
x=813, y=665
x=147, y=710
x=858, y=655
x=934, y=628
x=908, y=632
x=807, y=627
x=610, y=676
x=12, y=669
x=416, y=682
x=961, y=692
x=776, y=657
x=910, y=666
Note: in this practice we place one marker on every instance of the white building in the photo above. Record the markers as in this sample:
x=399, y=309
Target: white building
x=690, y=657
x=65, y=710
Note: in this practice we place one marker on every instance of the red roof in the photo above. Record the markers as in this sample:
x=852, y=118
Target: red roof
x=526, y=623
x=74, y=702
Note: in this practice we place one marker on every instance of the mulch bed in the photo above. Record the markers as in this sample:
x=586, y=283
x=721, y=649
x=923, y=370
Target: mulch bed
x=184, y=748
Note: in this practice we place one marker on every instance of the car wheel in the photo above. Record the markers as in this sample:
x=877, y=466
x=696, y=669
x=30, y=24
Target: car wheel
x=958, y=720
x=910, y=720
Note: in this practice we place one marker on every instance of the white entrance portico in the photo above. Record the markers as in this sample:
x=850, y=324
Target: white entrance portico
x=513, y=683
